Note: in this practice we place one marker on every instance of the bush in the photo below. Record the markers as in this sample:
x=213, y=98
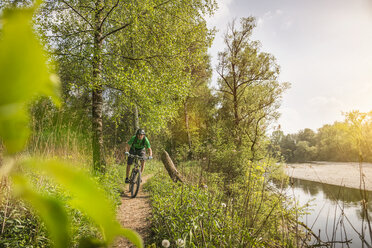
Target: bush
x=19, y=226
x=249, y=215
x=184, y=212
x=22, y=227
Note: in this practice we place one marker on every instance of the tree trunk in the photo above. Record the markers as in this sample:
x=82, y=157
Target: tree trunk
x=97, y=89
x=136, y=118
x=236, y=119
x=1, y=153
x=172, y=171
x=236, y=115
x=188, y=130
x=97, y=141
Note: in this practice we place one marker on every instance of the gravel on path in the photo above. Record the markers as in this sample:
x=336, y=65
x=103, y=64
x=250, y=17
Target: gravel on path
x=134, y=213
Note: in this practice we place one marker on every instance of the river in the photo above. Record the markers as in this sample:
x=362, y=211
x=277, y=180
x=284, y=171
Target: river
x=325, y=211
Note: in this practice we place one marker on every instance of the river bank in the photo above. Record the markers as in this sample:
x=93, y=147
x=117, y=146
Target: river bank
x=335, y=173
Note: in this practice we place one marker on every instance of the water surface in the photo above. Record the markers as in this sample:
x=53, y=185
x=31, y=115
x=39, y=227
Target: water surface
x=335, y=213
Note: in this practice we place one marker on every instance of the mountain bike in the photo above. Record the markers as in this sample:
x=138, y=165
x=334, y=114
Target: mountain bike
x=135, y=176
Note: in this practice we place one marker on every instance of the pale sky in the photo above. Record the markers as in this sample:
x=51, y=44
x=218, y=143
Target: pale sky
x=324, y=49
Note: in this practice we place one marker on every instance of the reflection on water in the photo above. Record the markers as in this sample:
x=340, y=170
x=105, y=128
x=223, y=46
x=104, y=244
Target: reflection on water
x=327, y=205
x=349, y=196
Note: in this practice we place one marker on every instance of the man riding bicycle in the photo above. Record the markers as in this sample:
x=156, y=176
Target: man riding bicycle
x=138, y=145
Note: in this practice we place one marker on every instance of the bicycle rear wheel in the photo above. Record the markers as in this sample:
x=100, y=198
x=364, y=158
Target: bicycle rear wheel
x=135, y=183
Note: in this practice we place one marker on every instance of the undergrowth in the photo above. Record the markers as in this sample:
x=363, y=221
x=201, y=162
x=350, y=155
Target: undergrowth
x=20, y=226
x=206, y=212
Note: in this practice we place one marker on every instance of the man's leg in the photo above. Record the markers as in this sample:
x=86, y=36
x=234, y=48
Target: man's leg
x=142, y=166
x=130, y=162
x=128, y=169
x=142, y=153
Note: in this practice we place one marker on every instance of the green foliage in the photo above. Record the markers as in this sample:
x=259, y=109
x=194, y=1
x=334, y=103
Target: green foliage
x=23, y=73
x=59, y=131
x=248, y=214
x=346, y=141
x=250, y=91
x=184, y=212
x=82, y=188
x=27, y=77
x=189, y=132
x=146, y=50
x=23, y=226
x=360, y=130
x=50, y=210
x=304, y=152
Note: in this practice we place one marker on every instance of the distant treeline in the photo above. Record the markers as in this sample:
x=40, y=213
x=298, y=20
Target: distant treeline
x=346, y=141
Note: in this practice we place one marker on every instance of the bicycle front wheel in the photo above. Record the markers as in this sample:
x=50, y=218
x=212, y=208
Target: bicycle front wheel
x=132, y=175
x=135, y=184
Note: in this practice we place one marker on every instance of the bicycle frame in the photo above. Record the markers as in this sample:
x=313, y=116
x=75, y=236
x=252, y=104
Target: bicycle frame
x=136, y=161
x=135, y=176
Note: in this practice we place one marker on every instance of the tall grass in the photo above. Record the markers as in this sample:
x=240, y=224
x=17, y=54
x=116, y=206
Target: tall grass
x=59, y=133
x=206, y=212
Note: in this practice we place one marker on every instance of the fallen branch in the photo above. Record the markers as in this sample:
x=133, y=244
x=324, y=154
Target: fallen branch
x=171, y=169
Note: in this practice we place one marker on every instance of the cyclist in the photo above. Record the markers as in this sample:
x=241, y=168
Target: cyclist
x=138, y=144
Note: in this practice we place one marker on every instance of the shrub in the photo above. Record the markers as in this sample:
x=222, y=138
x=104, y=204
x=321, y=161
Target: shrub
x=249, y=215
x=21, y=227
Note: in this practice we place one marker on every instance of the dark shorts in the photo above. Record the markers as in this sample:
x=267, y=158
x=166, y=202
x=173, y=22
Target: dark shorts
x=140, y=152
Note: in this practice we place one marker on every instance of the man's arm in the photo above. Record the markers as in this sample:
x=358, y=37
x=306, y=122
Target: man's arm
x=150, y=151
x=126, y=147
x=148, y=146
x=129, y=144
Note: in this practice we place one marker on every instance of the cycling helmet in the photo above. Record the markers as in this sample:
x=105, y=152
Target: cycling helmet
x=140, y=131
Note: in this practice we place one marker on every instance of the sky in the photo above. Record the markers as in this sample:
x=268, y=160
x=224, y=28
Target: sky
x=324, y=49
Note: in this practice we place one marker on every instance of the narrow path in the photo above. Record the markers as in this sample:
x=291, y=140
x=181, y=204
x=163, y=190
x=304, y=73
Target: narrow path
x=134, y=213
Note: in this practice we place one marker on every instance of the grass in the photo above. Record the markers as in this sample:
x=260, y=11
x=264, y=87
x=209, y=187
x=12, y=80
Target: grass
x=201, y=213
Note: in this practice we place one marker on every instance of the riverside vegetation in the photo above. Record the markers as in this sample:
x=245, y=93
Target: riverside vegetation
x=343, y=141
x=243, y=213
x=114, y=66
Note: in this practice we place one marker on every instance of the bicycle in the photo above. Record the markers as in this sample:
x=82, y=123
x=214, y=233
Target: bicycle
x=135, y=176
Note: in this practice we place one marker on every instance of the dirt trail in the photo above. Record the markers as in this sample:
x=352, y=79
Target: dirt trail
x=134, y=213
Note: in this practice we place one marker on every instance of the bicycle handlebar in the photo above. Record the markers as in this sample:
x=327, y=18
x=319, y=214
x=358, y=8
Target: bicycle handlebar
x=138, y=157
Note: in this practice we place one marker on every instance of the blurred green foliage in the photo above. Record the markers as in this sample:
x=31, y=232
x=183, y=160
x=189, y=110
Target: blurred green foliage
x=23, y=227
x=25, y=74
x=50, y=209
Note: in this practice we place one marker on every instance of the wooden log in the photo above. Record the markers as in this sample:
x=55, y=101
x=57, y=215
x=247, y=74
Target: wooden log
x=171, y=169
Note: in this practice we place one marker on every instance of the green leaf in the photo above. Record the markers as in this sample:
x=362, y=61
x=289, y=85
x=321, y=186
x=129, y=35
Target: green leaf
x=49, y=209
x=89, y=198
x=90, y=243
x=24, y=74
x=13, y=126
x=132, y=236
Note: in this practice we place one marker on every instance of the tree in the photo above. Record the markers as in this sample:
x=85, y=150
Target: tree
x=334, y=143
x=249, y=85
x=307, y=135
x=131, y=46
x=288, y=146
x=304, y=152
x=359, y=125
x=276, y=140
